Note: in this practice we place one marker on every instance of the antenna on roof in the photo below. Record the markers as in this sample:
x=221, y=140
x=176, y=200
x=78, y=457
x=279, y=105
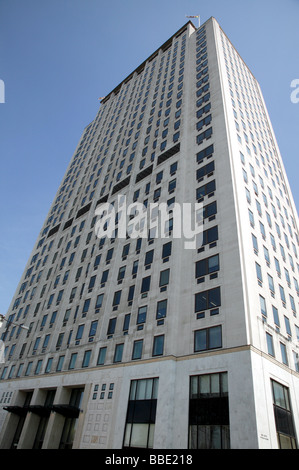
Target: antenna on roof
x=195, y=16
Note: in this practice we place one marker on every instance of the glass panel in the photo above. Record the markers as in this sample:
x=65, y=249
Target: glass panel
x=285, y=442
x=215, y=337
x=194, y=386
x=133, y=390
x=215, y=437
x=139, y=435
x=215, y=385
x=224, y=383
x=279, y=398
x=201, y=301
x=141, y=387
x=151, y=436
x=148, y=389
x=155, y=388
x=214, y=298
x=200, y=340
x=204, y=384
x=127, y=435
x=213, y=264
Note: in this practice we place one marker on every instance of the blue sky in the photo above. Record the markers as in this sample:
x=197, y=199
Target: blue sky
x=57, y=57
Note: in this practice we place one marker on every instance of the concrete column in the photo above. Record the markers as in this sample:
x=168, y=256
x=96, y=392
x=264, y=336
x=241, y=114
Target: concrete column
x=56, y=420
x=81, y=417
x=31, y=422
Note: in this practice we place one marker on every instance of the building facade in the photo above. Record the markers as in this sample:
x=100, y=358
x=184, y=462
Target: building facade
x=145, y=339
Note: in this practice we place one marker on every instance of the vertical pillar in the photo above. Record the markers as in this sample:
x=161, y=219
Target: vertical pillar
x=56, y=420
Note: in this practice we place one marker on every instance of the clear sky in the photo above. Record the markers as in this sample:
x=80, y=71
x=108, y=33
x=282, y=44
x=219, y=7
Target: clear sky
x=57, y=57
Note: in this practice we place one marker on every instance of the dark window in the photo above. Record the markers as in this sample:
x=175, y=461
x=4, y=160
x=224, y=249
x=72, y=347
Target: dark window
x=205, y=170
x=208, y=299
x=209, y=412
x=164, y=277
x=158, y=345
x=166, y=250
x=116, y=298
x=145, y=285
x=206, y=189
x=99, y=301
x=141, y=414
x=131, y=293
x=111, y=326
x=283, y=416
x=118, y=354
x=161, y=309
x=149, y=257
x=137, y=349
x=102, y=356
x=126, y=322
x=207, y=266
x=141, y=317
x=207, y=338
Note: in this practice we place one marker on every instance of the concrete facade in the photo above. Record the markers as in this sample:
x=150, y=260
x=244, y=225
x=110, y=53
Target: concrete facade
x=193, y=111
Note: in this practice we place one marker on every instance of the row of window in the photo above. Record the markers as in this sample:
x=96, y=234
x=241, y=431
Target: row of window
x=204, y=339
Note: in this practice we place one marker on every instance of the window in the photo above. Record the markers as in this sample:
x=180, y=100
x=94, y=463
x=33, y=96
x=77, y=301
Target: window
x=208, y=299
x=79, y=332
x=86, y=306
x=206, y=189
x=271, y=284
x=209, y=412
x=141, y=413
x=131, y=293
x=141, y=317
x=92, y=282
x=283, y=416
x=111, y=326
x=270, y=346
x=102, y=356
x=145, y=285
x=135, y=268
x=205, y=170
x=104, y=277
x=161, y=309
x=210, y=235
x=149, y=255
x=73, y=360
x=158, y=345
x=86, y=358
x=126, y=322
x=282, y=294
x=166, y=250
x=259, y=273
x=207, y=266
x=288, y=326
x=164, y=278
x=116, y=298
x=60, y=363
x=99, y=301
x=118, y=353
x=263, y=306
x=283, y=351
x=93, y=329
x=275, y=316
x=137, y=349
x=208, y=338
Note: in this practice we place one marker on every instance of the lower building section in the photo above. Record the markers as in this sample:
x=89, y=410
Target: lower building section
x=237, y=399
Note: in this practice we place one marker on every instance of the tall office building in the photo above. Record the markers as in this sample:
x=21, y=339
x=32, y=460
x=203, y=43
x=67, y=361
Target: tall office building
x=151, y=341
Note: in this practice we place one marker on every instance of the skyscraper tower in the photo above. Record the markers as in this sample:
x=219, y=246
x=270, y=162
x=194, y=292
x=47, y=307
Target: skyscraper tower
x=137, y=336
